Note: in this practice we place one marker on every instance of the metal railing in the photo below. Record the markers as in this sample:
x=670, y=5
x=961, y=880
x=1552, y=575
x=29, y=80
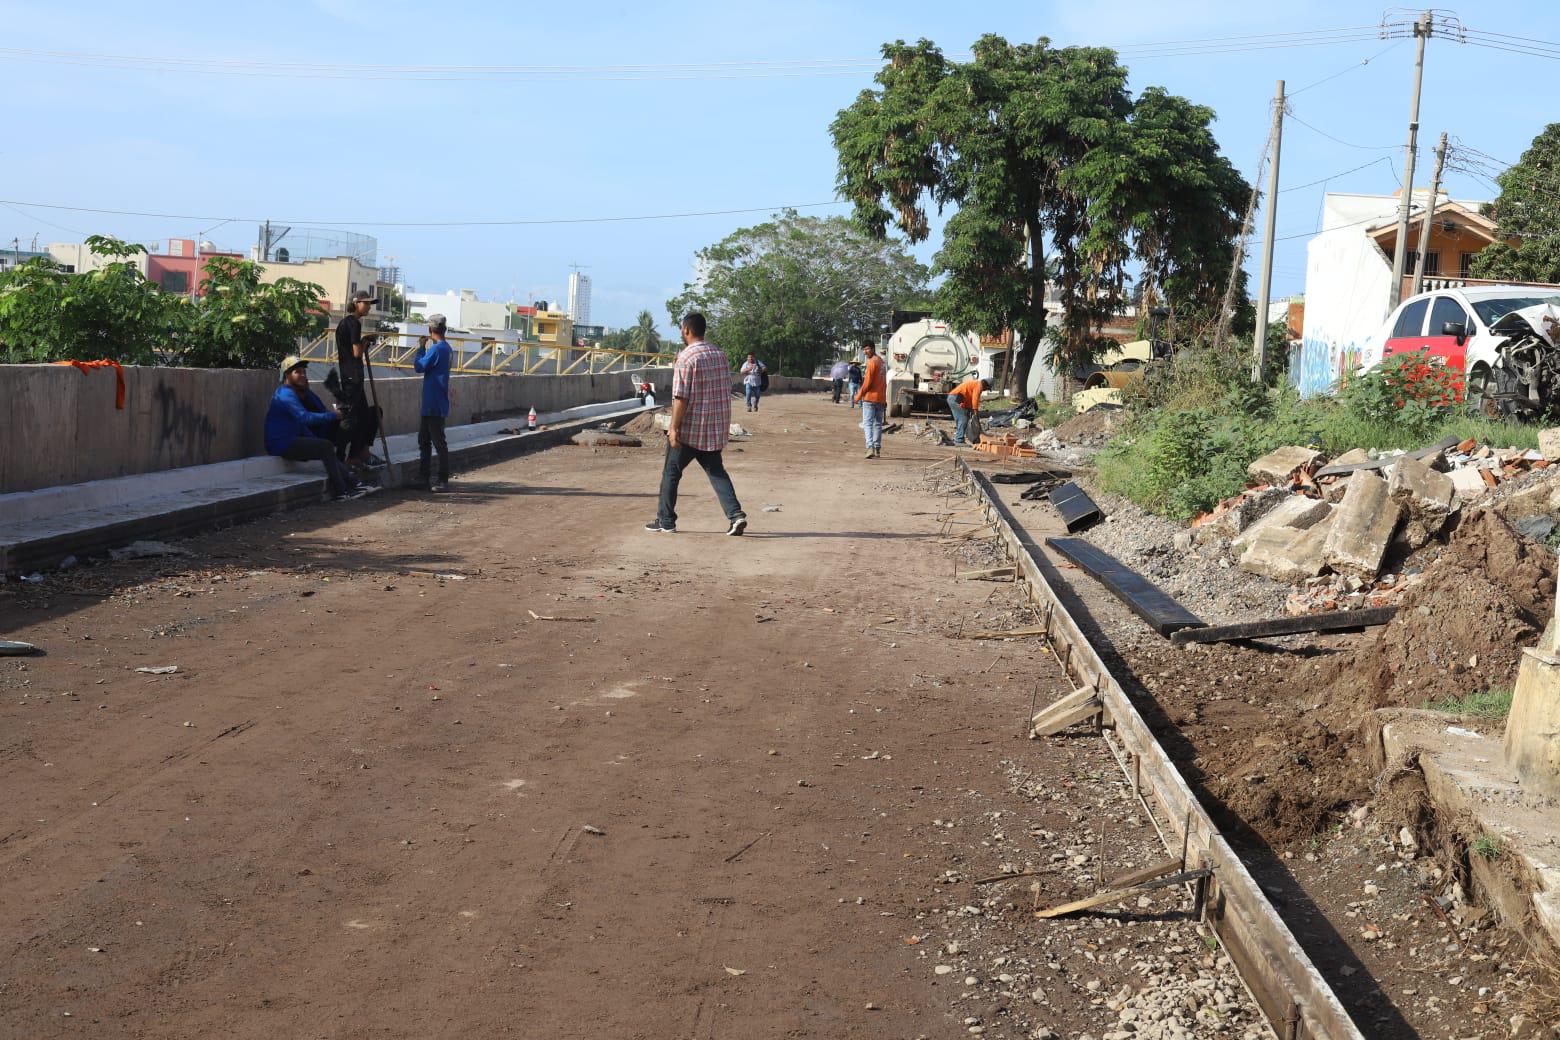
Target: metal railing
x=475, y=355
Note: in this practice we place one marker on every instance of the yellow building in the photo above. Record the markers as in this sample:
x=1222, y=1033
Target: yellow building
x=553, y=327
x=338, y=276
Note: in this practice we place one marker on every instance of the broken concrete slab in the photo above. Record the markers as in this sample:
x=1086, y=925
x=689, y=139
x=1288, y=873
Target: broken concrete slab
x=1240, y=515
x=1297, y=512
x=1549, y=443
x=605, y=439
x=1280, y=465
x=1351, y=456
x=1426, y=496
x=1286, y=554
x=1362, y=527
x=1467, y=483
x=1542, y=499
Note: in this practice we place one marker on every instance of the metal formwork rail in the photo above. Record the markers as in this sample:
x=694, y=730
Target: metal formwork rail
x=1291, y=993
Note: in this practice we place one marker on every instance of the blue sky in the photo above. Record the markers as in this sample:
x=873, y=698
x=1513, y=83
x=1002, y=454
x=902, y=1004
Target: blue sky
x=334, y=150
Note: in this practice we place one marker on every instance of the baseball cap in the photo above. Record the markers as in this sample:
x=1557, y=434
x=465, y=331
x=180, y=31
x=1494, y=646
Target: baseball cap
x=290, y=362
x=363, y=295
x=437, y=321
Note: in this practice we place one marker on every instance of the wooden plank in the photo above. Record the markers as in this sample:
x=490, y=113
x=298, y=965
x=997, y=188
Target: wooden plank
x=1343, y=469
x=1117, y=894
x=1005, y=633
x=1278, y=973
x=1148, y=873
x=1145, y=599
x=1051, y=722
x=1077, y=508
x=1328, y=621
x=1066, y=703
x=990, y=572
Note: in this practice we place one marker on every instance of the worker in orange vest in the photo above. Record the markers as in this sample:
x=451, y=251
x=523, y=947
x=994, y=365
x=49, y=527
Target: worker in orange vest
x=873, y=395
x=963, y=402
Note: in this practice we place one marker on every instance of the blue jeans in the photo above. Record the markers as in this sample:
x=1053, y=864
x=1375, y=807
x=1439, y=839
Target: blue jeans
x=677, y=460
x=853, y=388
x=961, y=418
x=752, y=392
x=872, y=423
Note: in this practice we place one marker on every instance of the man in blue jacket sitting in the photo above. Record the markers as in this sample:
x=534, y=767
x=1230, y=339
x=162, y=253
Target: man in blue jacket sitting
x=298, y=427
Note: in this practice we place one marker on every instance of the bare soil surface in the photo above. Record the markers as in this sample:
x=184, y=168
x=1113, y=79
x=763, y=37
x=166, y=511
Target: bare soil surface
x=501, y=763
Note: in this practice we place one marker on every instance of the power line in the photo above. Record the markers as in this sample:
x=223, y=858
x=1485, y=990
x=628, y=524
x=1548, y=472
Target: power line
x=1344, y=173
x=1344, y=72
x=1339, y=140
x=423, y=223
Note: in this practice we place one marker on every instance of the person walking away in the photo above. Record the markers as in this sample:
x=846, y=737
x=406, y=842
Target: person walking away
x=360, y=422
x=855, y=381
x=700, y=426
x=433, y=361
x=873, y=396
x=753, y=373
x=298, y=427
x=837, y=376
x=963, y=402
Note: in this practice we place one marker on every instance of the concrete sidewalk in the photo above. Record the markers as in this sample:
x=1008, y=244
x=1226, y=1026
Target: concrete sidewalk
x=39, y=529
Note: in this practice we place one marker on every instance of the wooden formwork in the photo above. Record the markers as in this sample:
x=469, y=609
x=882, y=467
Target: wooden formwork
x=1293, y=996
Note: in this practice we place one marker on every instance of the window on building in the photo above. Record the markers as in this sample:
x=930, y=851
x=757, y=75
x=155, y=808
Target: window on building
x=1432, y=263
x=1443, y=310
x=176, y=281
x=1411, y=321
x=1465, y=269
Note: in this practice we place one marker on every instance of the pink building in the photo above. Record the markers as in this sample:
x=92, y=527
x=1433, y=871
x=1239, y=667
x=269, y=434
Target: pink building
x=179, y=270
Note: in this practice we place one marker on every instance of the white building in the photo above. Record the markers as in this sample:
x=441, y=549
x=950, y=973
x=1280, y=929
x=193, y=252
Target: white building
x=579, y=298
x=460, y=307
x=1348, y=276
x=78, y=258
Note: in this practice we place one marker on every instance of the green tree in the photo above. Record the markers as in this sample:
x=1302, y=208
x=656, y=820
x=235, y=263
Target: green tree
x=1528, y=209
x=241, y=322
x=1038, y=146
x=642, y=335
x=50, y=314
x=791, y=289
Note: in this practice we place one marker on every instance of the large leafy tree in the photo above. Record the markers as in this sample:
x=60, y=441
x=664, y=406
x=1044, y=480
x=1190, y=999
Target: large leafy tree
x=50, y=314
x=1058, y=177
x=791, y=289
x=1528, y=209
x=642, y=335
x=241, y=322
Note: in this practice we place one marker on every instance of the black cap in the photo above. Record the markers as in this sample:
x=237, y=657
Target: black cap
x=364, y=296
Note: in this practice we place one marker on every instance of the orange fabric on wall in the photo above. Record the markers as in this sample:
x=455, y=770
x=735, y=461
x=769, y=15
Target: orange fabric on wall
x=119, y=376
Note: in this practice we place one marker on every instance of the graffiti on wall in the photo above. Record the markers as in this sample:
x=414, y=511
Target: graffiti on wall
x=1322, y=366
x=183, y=430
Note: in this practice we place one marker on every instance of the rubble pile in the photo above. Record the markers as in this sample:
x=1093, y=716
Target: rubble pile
x=1346, y=533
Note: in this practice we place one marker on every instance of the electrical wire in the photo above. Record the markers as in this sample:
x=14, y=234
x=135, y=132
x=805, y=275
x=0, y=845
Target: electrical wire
x=1347, y=144
x=422, y=223
x=1344, y=72
x=1344, y=173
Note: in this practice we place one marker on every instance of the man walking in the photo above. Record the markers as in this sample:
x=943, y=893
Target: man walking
x=360, y=422
x=837, y=376
x=701, y=423
x=855, y=381
x=752, y=381
x=433, y=361
x=963, y=402
x=873, y=396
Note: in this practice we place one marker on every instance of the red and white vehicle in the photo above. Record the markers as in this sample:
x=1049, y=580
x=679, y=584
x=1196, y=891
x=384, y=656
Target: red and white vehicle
x=1501, y=338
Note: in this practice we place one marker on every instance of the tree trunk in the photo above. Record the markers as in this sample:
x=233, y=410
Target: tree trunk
x=1024, y=355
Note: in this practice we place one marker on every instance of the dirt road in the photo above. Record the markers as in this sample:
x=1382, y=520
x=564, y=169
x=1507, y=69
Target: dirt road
x=707, y=790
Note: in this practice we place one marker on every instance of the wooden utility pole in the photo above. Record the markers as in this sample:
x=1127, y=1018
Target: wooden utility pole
x=1265, y=280
x=1424, y=231
x=1422, y=31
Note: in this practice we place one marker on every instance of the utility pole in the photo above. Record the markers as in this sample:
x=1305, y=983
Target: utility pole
x=1424, y=231
x=1422, y=30
x=1265, y=280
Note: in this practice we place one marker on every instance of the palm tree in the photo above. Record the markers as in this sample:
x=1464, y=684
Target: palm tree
x=642, y=336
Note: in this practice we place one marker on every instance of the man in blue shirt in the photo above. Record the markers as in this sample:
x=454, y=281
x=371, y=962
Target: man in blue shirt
x=300, y=428
x=433, y=361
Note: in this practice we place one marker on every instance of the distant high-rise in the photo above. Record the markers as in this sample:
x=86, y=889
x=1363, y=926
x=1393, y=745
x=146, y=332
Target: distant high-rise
x=579, y=298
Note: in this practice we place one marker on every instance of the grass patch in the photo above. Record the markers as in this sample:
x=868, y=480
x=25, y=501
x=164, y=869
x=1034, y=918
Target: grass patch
x=1486, y=846
x=1492, y=705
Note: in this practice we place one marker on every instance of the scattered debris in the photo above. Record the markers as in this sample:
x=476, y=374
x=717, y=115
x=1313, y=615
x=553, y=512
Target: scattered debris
x=1331, y=621
x=605, y=439
x=1077, y=508
x=165, y=669
x=549, y=617
x=12, y=648
x=588, y=829
x=736, y=855
x=140, y=550
x=1145, y=599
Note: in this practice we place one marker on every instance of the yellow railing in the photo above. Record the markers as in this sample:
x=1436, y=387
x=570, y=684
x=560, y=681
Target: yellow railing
x=475, y=355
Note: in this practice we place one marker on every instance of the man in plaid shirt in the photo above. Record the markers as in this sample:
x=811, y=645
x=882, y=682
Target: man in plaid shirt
x=701, y=423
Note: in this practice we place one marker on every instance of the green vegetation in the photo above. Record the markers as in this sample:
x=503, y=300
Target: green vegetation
x=1487, y=846
x=791, y=289
x=48, y=314
x=640, y=337
x=1491, y=705
x=1200, y=421
x=1058, y=176
x=1528, y=209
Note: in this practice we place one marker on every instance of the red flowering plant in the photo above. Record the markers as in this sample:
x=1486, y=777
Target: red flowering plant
x=1412, y=391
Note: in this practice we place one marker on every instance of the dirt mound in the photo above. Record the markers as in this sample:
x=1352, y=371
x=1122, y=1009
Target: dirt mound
x=1091, y=427
x=642, y=424
x=1462, y=628
x=1288, y=781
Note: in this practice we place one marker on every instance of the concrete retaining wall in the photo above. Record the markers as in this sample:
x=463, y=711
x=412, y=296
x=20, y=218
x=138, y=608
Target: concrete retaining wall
x=61, y=426
x=791, y=384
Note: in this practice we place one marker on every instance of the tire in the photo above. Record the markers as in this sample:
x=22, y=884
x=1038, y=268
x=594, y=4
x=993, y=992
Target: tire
x=1479, y=397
